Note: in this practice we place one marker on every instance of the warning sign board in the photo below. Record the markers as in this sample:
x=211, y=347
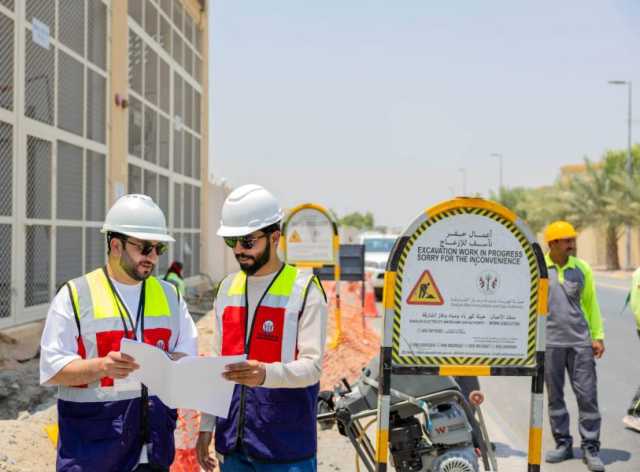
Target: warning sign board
x=425, y=292
x=310, y=237
x=466, y=288
x=295, y=237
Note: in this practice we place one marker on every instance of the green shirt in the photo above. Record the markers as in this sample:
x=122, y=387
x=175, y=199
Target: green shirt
x=635, y=296
x=176, y=280
x=575, y=279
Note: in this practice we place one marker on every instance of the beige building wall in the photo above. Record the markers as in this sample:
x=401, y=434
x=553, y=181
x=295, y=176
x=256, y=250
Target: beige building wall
x=118, y=122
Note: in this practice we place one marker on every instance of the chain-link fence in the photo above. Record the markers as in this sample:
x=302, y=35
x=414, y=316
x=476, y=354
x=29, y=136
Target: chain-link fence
x=5, y=273
x=68, y=254
x=7, y=62
x=6, y=169
x=37, y=265
x=39, y=93
x=96, y=187
x=69, y=173
x=71, y=16
x=39, y=169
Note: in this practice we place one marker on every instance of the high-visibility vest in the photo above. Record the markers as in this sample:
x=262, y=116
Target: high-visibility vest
x=102, y=425
x=269, y=424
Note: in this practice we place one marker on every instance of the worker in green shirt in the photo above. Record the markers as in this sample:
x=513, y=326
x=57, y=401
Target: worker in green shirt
x=632, y=419
x=574, y=338
x=174, y=277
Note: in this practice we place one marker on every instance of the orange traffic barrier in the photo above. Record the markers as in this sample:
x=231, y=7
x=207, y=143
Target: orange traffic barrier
x=370, y=307
x=329, y=289
x=186, y=436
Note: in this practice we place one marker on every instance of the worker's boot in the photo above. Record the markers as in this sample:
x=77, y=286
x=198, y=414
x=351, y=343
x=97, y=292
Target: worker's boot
x=591, y=457
x=561, y=453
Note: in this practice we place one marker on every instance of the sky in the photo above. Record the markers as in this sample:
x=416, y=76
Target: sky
x=389, y=106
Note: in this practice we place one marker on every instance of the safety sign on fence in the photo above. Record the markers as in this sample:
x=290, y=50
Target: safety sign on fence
x=310, y=237
x=465, y=294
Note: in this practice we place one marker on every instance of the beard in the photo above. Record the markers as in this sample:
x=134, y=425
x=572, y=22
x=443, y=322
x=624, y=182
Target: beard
x=256, y=263
x=135, y=271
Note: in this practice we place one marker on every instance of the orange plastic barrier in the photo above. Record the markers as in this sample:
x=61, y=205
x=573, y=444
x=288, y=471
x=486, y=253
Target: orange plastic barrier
x=370, y=307
x=186, y=435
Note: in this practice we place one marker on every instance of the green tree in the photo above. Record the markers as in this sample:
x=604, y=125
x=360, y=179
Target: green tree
x=606, y=196
x=358, y=220
x=603, y=196
x=536, y=206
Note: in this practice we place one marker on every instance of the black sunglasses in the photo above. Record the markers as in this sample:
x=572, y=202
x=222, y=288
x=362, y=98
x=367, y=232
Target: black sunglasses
x=247, y=242
x=146, y=247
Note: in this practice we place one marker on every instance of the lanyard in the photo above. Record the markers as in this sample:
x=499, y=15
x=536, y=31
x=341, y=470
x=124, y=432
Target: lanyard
x=144, y=392
x=121, y=305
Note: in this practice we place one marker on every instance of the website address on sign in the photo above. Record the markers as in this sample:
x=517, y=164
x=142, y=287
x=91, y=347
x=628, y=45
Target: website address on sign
x=465, y=346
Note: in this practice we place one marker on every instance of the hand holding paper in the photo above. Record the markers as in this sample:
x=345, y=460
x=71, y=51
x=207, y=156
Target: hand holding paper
x=250, y=373
x=190, y=382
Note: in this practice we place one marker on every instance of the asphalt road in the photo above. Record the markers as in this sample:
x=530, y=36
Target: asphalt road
x=618, y=377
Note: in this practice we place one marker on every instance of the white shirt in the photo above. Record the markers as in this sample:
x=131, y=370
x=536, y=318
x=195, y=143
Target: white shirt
x=58, y=343
x=312, y=334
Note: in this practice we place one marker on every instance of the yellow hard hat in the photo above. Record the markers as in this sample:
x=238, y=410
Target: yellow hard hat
x=559, y=230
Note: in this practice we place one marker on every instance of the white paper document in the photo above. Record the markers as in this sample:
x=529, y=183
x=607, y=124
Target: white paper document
x=192, y=382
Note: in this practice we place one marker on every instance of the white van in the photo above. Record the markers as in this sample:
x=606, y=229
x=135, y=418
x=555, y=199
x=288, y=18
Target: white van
x=377, y=247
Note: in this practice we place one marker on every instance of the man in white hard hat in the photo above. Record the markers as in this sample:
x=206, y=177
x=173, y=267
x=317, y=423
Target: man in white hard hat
x=106, y=421
x=275, y=314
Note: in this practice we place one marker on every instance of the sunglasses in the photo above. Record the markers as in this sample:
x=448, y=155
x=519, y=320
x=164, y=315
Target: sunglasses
x=146, y=247
x=245, y=241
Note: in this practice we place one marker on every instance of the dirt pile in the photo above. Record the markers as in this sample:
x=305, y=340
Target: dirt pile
x=359, y=342
x=25, y=445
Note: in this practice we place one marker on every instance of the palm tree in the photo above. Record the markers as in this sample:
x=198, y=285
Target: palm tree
x=605, y=196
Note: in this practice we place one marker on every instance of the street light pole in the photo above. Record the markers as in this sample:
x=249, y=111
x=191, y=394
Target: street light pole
x=499, y=156
x=629, y=166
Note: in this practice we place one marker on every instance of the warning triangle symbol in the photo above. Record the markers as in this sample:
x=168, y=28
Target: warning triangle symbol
x=295, y=237
x=425, y=292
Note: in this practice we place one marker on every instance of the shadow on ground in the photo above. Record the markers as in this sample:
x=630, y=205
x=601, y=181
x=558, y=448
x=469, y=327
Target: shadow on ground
x=504, y=450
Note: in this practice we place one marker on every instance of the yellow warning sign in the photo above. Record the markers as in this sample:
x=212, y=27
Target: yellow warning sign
x=295, y=237
x=425, y=292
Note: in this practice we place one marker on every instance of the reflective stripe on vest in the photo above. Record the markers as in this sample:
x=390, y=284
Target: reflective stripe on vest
x=275, y=324
x=101, y=328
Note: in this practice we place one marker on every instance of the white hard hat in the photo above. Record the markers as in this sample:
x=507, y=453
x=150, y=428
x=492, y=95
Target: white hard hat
x=137, y=216
x=248, y=209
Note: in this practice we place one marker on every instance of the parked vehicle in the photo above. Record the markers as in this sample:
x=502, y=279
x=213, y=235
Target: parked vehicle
x=377, y=247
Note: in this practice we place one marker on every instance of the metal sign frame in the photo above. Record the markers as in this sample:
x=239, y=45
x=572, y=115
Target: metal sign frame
x=316, y=264
x=532, y=366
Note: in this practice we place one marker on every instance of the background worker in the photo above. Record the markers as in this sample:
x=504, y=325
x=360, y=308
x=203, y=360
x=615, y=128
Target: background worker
x=276, y=314
x=632, y=419
x=174, y=276
x=106, y=421
x=574, y=337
